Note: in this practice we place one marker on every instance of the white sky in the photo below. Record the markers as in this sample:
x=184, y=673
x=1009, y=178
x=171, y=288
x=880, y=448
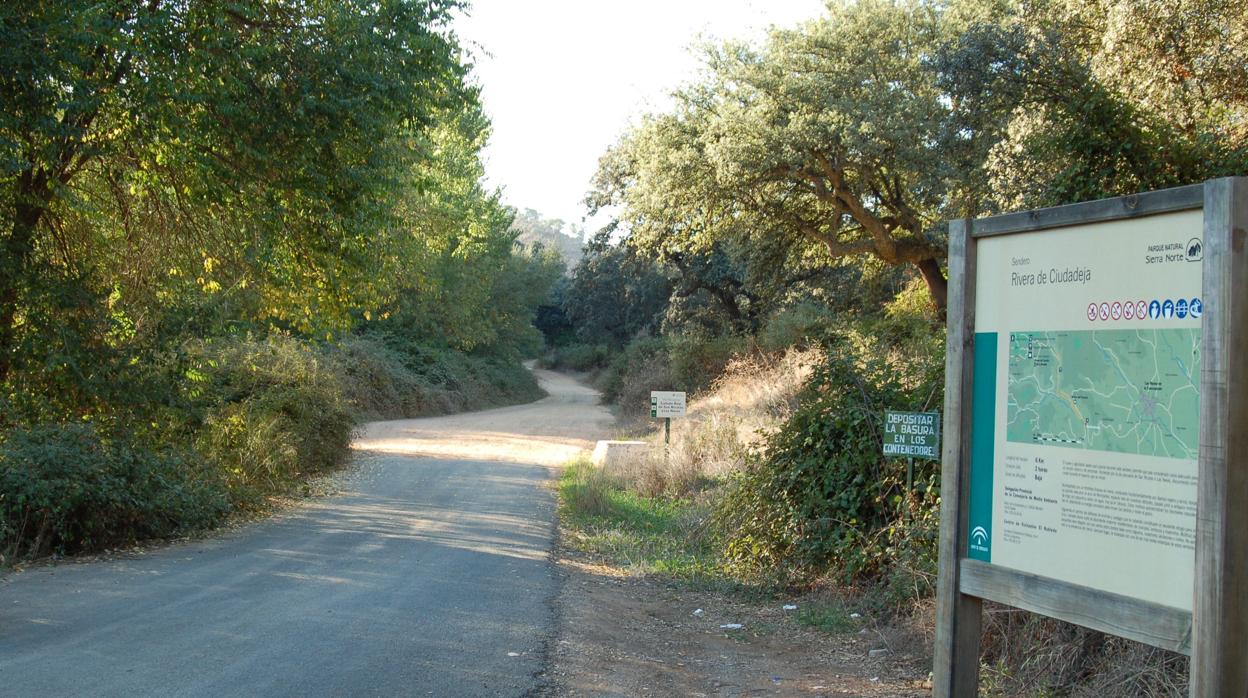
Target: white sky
x=562, y=79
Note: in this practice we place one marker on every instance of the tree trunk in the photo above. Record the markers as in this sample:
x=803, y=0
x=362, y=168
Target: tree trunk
x=15, y=250
x=937, y=284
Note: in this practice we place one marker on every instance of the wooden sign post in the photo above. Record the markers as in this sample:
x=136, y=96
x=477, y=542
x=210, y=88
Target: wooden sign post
x=1095, y=463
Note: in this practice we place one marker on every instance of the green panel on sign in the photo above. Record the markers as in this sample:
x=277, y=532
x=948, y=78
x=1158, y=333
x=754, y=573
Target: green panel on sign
x=912, y=434
x=983, y=434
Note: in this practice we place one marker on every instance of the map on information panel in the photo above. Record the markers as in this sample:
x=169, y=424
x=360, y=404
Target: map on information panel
x=1125, y=391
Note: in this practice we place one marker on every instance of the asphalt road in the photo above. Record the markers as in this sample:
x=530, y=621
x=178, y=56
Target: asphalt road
x=427, y=575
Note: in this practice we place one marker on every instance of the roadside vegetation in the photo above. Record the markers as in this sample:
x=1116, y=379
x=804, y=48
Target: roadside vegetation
x=227, y=236
x=777, y=251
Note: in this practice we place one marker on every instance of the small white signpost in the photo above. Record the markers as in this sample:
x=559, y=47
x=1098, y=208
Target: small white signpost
x=665, y=404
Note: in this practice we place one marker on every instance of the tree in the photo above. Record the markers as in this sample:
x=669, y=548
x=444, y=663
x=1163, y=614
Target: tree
x=1098, y=98
x=835, y=134
x=533, y=229
x=615, y=293
x=258, y=132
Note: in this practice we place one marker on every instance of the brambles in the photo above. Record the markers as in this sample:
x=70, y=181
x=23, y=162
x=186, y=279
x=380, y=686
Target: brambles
x=68, y=489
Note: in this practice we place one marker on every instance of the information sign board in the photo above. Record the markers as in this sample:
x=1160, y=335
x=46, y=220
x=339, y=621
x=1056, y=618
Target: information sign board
x=912, y=434
x=1086, y=423
x=666, y=403
x=1096, y=427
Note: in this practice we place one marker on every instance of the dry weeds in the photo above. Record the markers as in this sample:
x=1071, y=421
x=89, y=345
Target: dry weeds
x=755, y=394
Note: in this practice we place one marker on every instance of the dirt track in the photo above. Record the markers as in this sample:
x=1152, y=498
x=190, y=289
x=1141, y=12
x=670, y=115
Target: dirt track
x=547, y=432
x=621, y=636
x=428, y=573
x=434, y=571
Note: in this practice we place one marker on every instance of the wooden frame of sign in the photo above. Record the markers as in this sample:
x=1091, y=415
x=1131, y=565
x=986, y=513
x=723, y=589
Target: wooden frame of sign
x=1215, y=633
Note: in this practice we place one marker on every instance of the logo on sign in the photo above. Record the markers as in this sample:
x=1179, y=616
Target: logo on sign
x=1180, y=307
x=1128, y=310
x=979, y=536
x=1167, y=309
x=1196, y=308
x=1092, y=312
x=1104, y=311
x=1115, y=310
x=1141, y=310
x=1154, y=309
x=1195, y=251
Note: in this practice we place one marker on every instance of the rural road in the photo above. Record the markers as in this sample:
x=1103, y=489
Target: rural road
x=428, y=574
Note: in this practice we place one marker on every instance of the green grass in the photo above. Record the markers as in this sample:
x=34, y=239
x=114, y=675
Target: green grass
x=645, y=535
x=830, y=618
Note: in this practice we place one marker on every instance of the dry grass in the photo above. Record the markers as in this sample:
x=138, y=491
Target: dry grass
x=755, y=394
x=1026, y=654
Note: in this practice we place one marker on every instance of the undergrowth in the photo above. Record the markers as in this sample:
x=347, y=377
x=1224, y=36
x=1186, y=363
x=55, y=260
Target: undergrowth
x=227, y=424
x=645, y=535
x=773, y=485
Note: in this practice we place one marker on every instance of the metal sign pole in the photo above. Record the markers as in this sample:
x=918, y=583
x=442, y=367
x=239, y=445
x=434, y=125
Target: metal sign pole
x=909, y=484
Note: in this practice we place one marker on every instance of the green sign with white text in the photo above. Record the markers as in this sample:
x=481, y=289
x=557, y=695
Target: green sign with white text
x=912, y=434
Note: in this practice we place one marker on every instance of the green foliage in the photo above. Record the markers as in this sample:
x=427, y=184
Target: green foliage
x=197, y=204
x=821, y=497
x=386, y=378
x=473, y=382
x=641, y=367
x=800, y=325
x=68, y=364
x=1091, y=99
x=578, y=357
x=69, y=489
x=273, y=413
x=616, y=293
x=176, y=149
x=696, y=361
x=241, y=419
x=646, y=534
x=678, y=362
x=830, y=618
x=379, y=384
x=831, y=141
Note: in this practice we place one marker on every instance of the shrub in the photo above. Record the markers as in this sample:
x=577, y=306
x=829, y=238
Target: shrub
x=637, y=370
x=687, y=363
x=696, y=362
x=821, y=497
x=578, y=357
x=1029, y=654
x=275, y=412
x=796, y=326
x=66, y=488
x=378, y=383
x=386, y=377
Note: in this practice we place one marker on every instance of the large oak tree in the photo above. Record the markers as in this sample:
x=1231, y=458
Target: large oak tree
x=835, y=134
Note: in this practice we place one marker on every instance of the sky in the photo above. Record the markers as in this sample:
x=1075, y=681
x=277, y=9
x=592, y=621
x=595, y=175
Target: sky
x=562, y=79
